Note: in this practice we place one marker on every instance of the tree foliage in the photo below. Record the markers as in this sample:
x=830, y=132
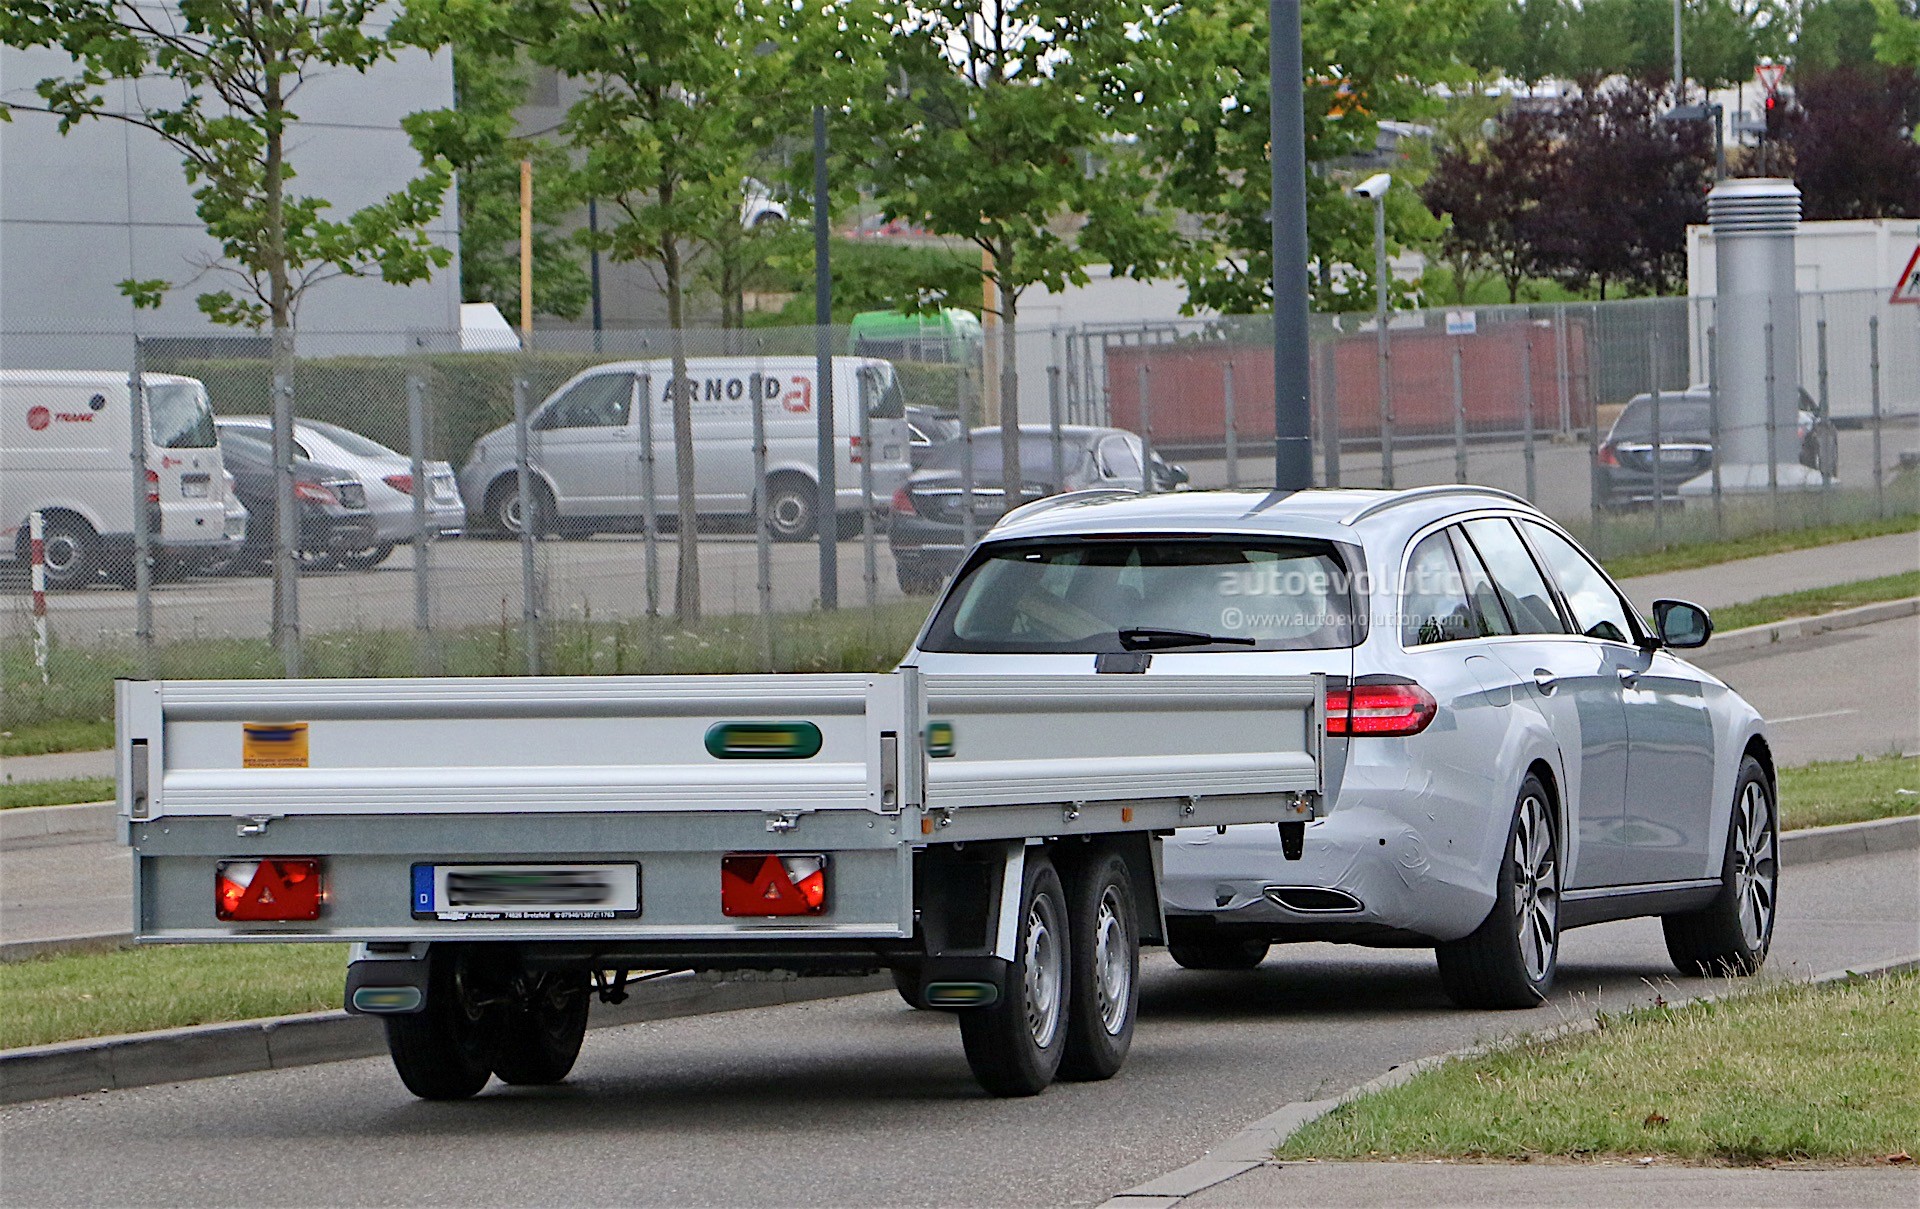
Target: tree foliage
x=219, y=82
x=1897, y=43
x=1850, y=136
x=1490, y=194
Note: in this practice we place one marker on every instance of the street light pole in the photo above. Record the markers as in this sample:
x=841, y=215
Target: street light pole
x=826, y=510
x=1292, y=423
x=1374, y=189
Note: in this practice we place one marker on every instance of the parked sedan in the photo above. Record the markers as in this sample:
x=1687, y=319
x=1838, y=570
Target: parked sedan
x=928, y=528
x=1510, y=749
x=332, y=503
x=928, y=428
x=386, y=475
x=1623, y=472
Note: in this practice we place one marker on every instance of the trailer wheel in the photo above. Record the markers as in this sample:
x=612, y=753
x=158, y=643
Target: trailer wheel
x=539, y=1035
x=1014, y=1046
x=1103, y=925
x=441, y=1050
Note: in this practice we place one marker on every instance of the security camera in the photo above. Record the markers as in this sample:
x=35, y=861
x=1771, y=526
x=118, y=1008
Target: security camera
x=1374, y=187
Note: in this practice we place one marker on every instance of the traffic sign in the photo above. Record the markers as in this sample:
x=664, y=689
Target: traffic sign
x=1769, y=75
x=1907, y=288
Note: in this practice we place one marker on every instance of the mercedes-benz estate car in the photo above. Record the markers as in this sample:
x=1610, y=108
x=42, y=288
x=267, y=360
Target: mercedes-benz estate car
x=1510, y=748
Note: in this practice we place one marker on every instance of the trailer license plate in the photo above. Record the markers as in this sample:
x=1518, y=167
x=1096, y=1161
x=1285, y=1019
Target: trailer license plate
x=496, y=892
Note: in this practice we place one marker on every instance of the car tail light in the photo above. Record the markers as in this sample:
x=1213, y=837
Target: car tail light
x=1397, y=708
x=903, y=503
x=772, y=883
x=403, y=483
x=314, y=493
x=268, y=890
x=1607, y=457
x=853, y=449
x=153, y=486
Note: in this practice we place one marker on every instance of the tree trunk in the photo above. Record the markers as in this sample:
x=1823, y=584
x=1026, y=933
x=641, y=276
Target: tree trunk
x=1011, y=477
x=686, y=579
x=286, y=570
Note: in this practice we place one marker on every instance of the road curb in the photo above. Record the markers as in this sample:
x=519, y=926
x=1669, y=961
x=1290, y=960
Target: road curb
x=1811, y=845
x=32, y=826
x=1254, y=1146
x=72, y=1068
x=1760, y=637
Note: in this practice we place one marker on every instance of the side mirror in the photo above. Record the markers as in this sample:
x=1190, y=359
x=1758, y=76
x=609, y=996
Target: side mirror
x=1179, y=475
x=1680, y=625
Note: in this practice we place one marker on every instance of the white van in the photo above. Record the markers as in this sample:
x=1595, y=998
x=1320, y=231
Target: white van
x=65, y=450
x=585, y=449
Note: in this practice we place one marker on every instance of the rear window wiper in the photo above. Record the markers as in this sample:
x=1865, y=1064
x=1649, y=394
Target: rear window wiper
x=1148, y=639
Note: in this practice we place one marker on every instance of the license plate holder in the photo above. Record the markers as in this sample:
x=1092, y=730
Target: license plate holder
x=526, y=891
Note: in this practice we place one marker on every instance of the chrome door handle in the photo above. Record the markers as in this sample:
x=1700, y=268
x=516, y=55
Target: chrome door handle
x=1546, y=680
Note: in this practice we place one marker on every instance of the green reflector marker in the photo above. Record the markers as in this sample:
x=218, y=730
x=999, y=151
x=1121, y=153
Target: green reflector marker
x=939, y=739
x=763, y=740
x=387, y=999
x=961, y=994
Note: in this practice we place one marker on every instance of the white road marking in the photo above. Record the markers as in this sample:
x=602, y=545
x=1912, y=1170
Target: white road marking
x=1832, y=713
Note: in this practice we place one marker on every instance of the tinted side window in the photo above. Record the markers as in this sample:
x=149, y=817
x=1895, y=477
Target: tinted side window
x=602, y=401
x=1596, y=607
x=1433, y=603
x=1489, y=615
x=1119, y=461
x=1515, y=577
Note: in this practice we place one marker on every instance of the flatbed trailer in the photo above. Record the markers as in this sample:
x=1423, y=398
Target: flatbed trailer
x=503, y=851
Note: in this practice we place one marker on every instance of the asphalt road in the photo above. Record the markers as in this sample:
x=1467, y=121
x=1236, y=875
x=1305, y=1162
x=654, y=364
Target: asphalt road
x=860, y=1101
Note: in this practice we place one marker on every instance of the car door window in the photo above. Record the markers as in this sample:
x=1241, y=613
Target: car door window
x=602, y=401
x=1597, y=609
x=1118, y=460
x=1518, y=581
x=1433, y=604
x=1489, y=615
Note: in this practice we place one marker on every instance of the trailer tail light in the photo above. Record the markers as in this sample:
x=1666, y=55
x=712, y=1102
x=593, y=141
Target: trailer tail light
x=855, y=449
x=153, y=486
x=903, y=502
x=268, y=890
x=1398, y=707
x=772, y=883
x=403, y=483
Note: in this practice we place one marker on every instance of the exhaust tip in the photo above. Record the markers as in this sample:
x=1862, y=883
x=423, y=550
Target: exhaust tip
x=1312, y=900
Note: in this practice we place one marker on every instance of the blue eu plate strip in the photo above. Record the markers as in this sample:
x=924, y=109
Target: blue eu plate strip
x=423, y=887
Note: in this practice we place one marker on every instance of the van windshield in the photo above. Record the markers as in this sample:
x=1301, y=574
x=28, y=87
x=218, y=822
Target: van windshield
x=880, y=393
x=178, y=416
x=1073, y=596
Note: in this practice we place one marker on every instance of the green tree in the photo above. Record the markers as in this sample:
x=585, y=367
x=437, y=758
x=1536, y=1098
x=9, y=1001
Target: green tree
x=1834, y=32
x=1721, y=39
x=1897, y=44
x=1005, y=128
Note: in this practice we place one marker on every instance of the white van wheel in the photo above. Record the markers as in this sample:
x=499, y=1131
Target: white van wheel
x=71, y=551
x=791, y=512
x=505, y=511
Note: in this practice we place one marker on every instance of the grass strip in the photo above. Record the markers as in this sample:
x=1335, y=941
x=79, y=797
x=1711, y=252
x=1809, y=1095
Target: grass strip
x=1849, y=791
x=63, y=792
x=1814, y=601
x=1686, y=555
x=63, y=997
x=39, y=737
x=1784, y=1073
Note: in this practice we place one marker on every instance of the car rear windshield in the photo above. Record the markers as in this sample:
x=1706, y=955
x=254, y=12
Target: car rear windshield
x=1679, y=417
x=351, y=441
x=1081, y=595
x=178, y=416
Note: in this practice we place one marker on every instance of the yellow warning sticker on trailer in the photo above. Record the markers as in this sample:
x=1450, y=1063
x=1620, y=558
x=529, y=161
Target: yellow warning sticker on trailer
x=273, y=744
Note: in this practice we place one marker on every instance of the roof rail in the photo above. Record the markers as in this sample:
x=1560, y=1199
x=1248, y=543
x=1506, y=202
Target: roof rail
x=1049, y=503
x=1413, y=495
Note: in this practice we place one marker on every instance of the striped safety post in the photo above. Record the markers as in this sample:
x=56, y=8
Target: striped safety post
x=37, y=545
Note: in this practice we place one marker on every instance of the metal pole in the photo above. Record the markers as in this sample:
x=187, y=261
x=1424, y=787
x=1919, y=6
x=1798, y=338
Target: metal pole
x=1459, y=420
x=1873, y=374
x=649, y=503
x=1820, y=354
x=1292, y=387
x=869, y=571
x=1659, y=449
x=1330, y=411
x=1713, y=429
x=1679, y=74
x=37, y=584
x=529, y=517
x=1595, y=512
x=1562, y=373
x=142, y=519
x=1233, y=436
x=827, y=513
x=966, y=484
x=1773, y=457
x=1382, y=340
x=425, y=660
x=286, y=562
x=1146, y=430
x=762, y=540
x=1526, y=413
x=1058, y=452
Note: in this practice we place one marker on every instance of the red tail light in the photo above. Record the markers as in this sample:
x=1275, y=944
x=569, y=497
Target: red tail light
x=853, y=448
x=315, y=493
x=1607, y=457
x=772, y=883
x=903, y=503
x=403, y=483
x=1401, y=708
x=267, y=890
x=153, y=486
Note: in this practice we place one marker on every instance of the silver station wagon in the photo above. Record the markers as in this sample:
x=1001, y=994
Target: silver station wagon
x=1510, y=749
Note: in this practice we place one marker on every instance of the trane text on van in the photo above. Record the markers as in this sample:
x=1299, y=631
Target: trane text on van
x=66, y=444
x=594, y=444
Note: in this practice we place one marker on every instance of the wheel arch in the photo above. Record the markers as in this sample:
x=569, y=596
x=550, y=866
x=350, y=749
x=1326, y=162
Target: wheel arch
x=510, y=476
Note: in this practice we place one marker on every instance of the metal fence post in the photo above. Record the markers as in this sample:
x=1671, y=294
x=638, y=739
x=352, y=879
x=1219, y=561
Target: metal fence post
x=1526, y=413
x=1330, y=411
x=530, y=519
x=37, y=585
x=1713, y=430
x=1056, y=451
x=869, y=571
x=967, y=522
x=1596, y=510
x=1659, y=449
x=426, y=658
x=1873, y=376
x=1459, y=420
x=1820, y=356
x=649, y=502
x=1773, y=422
x=1563, y=378
x=142, y=526
x=1233, y=436
x=762, y=540
x=1146, y=428
x=1384, y=352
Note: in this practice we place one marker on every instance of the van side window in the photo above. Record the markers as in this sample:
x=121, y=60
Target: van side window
x=1433, y=602
x=1119, y=461
x=602, y=401
x=1522, y=589
x=880, y=393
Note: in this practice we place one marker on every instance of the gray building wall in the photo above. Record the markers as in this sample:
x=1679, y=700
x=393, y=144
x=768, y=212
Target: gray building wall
x=109, y=201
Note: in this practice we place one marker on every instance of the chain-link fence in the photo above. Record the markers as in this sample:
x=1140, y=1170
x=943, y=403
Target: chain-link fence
x=460, y=512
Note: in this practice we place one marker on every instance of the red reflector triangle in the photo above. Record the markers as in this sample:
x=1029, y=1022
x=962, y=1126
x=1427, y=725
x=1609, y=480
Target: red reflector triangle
x=775, y=890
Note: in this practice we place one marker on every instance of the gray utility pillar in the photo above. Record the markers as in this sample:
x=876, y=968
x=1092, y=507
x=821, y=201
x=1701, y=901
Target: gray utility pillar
x=1757, y=321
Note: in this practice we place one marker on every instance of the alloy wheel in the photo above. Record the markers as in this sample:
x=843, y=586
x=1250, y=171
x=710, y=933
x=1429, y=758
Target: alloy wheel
x=1755, y=870
x=1536, y=887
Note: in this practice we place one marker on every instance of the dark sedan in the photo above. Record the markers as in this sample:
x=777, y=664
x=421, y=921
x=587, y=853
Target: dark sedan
x=332, y=503
x=928, y=528
x=1623, y=472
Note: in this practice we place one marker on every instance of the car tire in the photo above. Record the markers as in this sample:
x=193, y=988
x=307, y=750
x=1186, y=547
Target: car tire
x=1104, y=976
x=442, y=1051
x=1731, y=935
x=538, y=1036
x=1509, y=960
x=362, y=560
x=792, y=512
x=1014, y=1046
x=1218, y=953
x=504, y=511
x=70, y=551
